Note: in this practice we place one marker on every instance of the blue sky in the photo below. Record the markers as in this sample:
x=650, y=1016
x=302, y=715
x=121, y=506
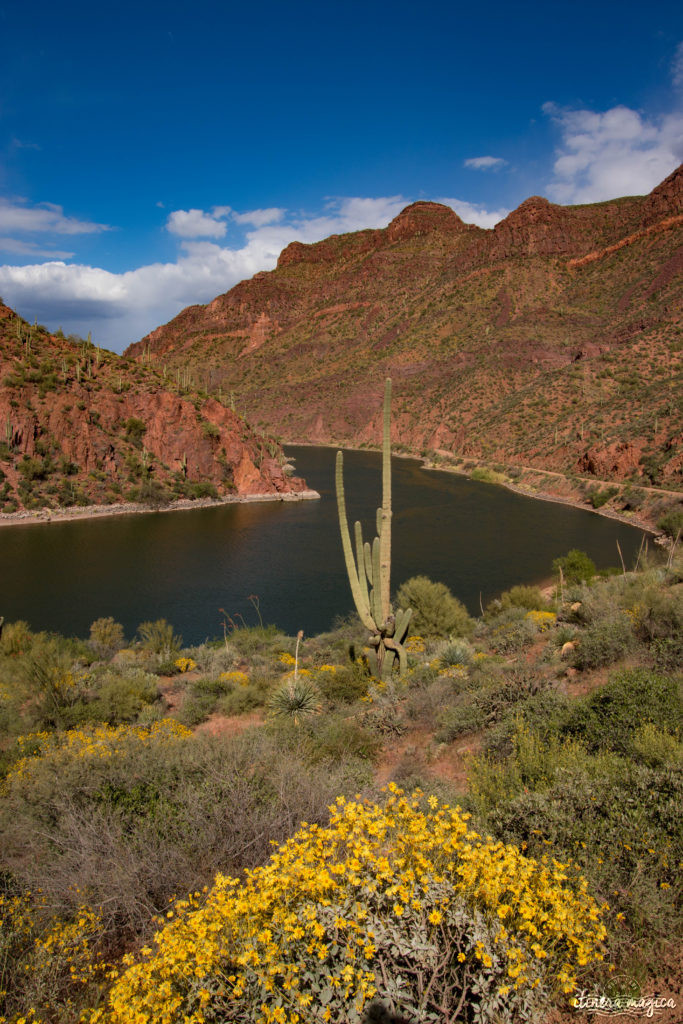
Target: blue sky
x=154, y=154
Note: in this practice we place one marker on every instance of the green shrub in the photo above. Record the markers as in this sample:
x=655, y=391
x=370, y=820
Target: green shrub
x=527, y=597
x=106, y=636
x=576, y=566
x=196, y=708
x=345, y=685
x=510, y=631
x=622, y=823
x=603, y=643
x=609, y=718
x=671, y=522
x=158, y=638
x=16, y=638
x=436, y=612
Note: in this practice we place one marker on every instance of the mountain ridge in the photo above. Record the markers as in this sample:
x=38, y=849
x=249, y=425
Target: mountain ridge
x=551, y=340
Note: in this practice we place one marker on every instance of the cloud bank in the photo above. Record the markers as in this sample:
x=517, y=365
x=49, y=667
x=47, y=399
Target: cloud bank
x=617, y=152
x=121, y=308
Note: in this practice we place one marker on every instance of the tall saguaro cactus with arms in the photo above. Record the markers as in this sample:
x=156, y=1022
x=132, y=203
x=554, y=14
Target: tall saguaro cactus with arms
x=369, y=568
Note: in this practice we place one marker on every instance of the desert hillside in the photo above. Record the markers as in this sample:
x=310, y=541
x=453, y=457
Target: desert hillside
x=551, y=341
x=81, y=425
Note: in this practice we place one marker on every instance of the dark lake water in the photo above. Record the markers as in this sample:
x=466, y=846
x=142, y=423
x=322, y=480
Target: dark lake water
x=185, y=566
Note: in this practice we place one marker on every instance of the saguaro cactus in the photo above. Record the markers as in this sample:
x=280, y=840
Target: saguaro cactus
x=369, y=570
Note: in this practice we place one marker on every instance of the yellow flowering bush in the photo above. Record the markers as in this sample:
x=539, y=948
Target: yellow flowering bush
x=185, y=664
x=236, y=678
x=45, y=958
x=93, y=743
x=542, y=620
x=415, y=645
x=393, y=901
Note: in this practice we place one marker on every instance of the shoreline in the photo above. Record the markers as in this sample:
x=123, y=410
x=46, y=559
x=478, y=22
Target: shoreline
x=634, y=520
x=42, y=517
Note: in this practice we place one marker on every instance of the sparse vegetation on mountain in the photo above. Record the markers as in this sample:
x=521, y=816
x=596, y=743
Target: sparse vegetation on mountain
x=546, y=350
x=79, y=426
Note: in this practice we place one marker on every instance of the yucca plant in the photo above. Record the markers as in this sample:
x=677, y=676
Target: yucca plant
x=296, y=699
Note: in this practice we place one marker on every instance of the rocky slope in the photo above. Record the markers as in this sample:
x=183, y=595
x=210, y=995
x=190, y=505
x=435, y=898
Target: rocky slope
x=80, y=425
x=551, y=341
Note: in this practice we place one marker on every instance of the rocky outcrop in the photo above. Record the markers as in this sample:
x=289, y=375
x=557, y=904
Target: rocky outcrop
x=81, y=422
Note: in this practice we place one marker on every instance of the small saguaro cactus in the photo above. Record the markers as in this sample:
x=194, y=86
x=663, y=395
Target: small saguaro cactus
x=369, y=571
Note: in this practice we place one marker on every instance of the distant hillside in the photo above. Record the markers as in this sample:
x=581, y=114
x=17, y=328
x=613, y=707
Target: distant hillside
x=80, y=425
x=552, y=341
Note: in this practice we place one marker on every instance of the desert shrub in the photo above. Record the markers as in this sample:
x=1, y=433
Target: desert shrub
x=603, y=643
x=671, y=522
x=196, y=708
x=656, y=747
x=251, y=640
x=658, y=614
x=132, y=816
x=622, y=823
x=46, y=957
x=106, y=636
x=115, y=698
x=667, y=652
x=510, y=631
x=459, y=719
x=51, y=685
x=335, y=739
x=436, y=612
x=576, y=566
x=425, y=704
x=488, y=705
x=16, y=638
x=433, y=920
x=158, y=638
x=527, y=597
x=608, y=718
x=252, y=692
x=543, y=714
x=342, y=685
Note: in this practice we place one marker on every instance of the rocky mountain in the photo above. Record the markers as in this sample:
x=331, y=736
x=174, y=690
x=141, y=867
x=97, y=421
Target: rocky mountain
x=80, y=425
x=551, y=341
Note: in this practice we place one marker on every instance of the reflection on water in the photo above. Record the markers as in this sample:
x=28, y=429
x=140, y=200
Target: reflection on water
x=185, y=566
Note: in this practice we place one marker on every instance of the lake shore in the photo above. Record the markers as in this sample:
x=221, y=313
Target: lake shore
x=573, y=501
x=67, y=515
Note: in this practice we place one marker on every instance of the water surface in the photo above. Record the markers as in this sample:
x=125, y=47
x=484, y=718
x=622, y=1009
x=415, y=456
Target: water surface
x=186, y=566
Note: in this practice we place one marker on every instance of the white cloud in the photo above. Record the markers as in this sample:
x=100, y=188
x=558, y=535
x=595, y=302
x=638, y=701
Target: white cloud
x=485, y=163
x=616, y=152
x=258, y=217
x=19, y=215
x=195, y=224
x=472, y=213
x=121, y=308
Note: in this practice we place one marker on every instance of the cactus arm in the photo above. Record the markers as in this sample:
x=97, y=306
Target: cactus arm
x=360, y=562
x=367, y=556
x=402, y=622
x=376, y=595
x=361, y=607
x=385, y=534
